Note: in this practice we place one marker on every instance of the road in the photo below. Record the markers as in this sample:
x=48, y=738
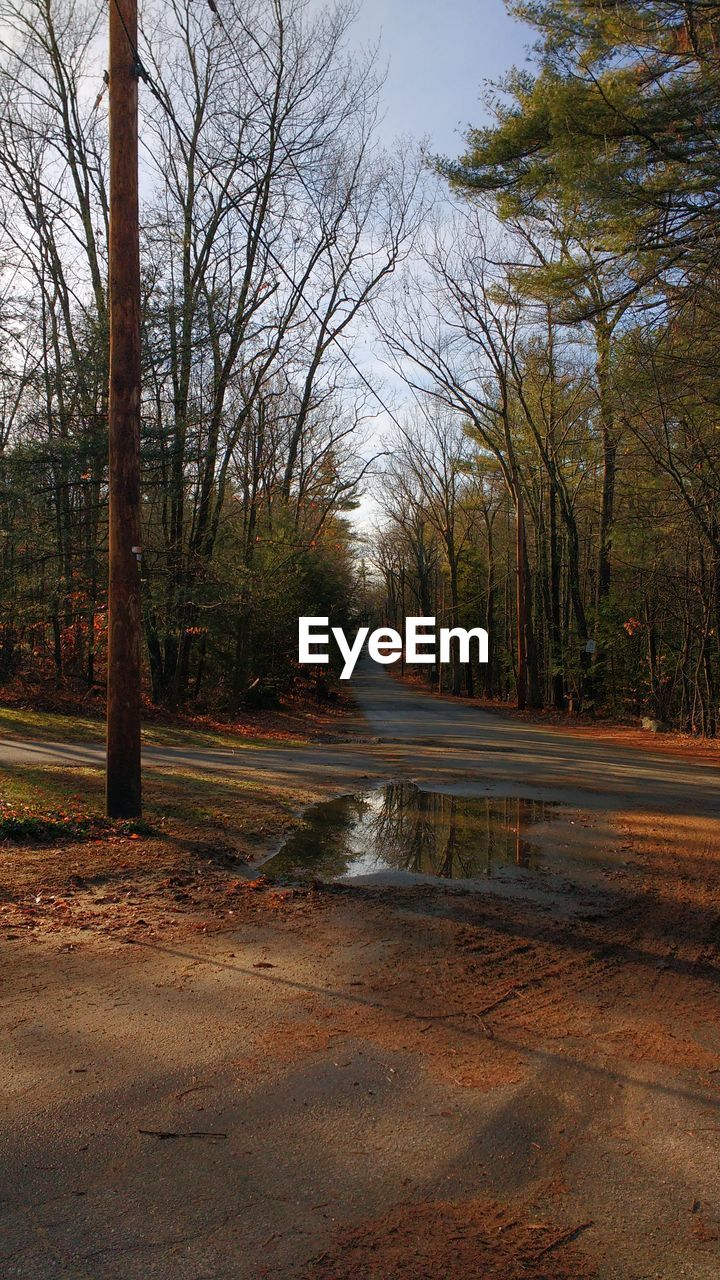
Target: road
x=229, y=1103
x=447, y=746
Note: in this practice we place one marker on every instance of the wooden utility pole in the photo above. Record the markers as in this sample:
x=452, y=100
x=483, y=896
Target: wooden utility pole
x=123, y=787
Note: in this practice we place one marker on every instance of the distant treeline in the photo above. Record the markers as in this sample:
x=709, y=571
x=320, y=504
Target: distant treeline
x=560, y=329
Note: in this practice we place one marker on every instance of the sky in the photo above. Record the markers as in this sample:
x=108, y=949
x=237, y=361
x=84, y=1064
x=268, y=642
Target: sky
x=438, y=54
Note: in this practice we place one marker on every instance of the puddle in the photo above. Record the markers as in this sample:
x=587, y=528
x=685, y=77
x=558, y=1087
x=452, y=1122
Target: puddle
x=399, y=831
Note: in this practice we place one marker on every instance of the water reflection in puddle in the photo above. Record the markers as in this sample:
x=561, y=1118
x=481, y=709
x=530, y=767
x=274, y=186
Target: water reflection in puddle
x=401, y=829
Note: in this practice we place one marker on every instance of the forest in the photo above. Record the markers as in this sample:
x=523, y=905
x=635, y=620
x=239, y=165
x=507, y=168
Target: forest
x=512, y=352
x=359, y=639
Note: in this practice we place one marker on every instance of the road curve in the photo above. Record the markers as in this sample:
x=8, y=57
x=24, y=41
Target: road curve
x=445, y=745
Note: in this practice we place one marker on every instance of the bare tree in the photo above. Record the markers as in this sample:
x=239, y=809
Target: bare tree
x=455, y=341
x=277, y=223
x=432, y=458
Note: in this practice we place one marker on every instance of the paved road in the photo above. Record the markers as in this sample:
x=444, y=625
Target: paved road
x=448, y=746
x=439, y=741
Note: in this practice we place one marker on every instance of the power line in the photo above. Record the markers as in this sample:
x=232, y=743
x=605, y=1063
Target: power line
x=139, y=69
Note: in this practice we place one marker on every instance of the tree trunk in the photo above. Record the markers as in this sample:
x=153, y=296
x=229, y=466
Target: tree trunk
x=529, y=693
x=556, y=657
x=607, y=500
x=456, y=672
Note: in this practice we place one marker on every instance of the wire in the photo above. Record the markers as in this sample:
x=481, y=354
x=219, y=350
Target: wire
x=139, y=69
x=167, y=106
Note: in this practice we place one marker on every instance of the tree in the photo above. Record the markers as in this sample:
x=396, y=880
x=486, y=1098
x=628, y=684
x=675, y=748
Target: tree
x=431, y=469
x=288, y=219
x=622, y=117
x=271, y=220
